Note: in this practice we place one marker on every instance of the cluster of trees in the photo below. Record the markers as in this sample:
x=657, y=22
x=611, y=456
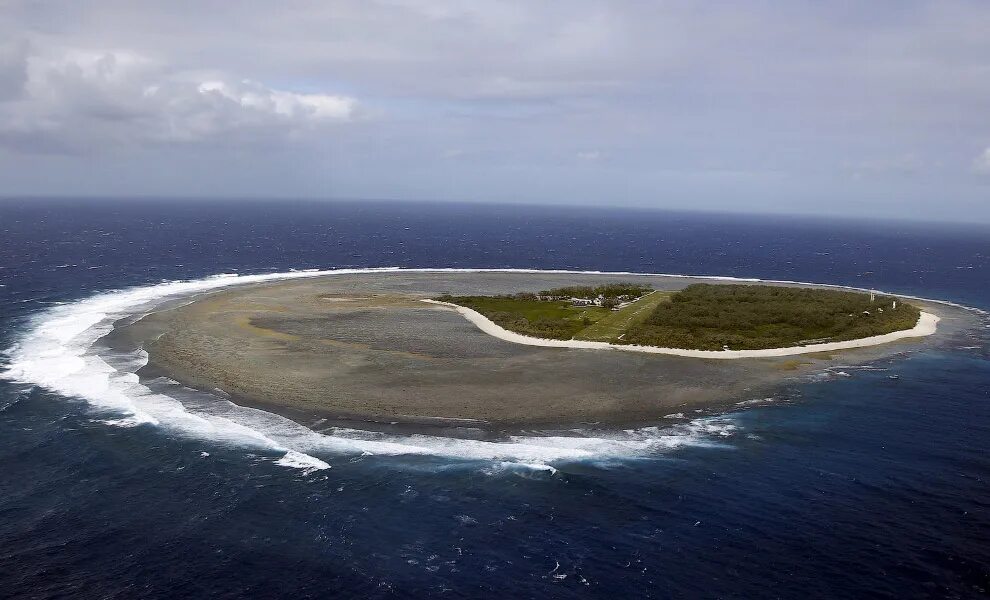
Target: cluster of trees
x=607, y=291
x=742, y=317
x=521, y=296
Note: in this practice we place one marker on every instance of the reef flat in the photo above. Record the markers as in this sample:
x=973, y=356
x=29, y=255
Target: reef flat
x=366, y=347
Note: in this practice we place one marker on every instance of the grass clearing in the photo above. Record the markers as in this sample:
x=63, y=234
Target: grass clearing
x=613, y=325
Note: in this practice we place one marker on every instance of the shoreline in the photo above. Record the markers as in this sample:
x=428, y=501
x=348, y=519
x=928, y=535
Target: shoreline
x=927, y=325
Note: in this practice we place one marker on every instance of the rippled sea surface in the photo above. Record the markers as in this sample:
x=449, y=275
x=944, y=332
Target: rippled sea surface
x=865, y=483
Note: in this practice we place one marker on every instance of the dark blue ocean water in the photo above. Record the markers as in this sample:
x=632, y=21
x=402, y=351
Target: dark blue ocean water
x=863, y=486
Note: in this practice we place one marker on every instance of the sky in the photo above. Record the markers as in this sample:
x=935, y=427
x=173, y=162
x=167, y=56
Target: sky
x=841, y=107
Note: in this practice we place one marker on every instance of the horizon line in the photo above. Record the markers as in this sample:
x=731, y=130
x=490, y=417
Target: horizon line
x=814, y=216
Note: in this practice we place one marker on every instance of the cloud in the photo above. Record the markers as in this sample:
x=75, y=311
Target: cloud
x=251, y=95
x=13, y=69
x=908, y=164
x=76, y=99
x=981, y=164
x=856, y=102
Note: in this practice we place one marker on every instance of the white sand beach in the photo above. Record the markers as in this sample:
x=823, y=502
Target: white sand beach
x=927, y=324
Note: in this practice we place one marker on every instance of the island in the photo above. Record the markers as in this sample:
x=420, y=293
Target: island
x=394, y=349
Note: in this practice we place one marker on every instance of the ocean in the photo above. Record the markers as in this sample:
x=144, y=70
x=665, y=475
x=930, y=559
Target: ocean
x=857, y=483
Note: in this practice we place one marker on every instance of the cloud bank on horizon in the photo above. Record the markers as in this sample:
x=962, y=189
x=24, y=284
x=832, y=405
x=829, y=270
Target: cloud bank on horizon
x=863, y=109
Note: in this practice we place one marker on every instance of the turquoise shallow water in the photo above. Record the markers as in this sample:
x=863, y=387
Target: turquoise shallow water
x=868, y=484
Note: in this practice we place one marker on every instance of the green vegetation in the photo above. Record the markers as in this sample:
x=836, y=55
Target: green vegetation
x=701, y=316
x=551, y=314
x=523, y=313
x=613, y=326
x=608, y=295
x=747, y=317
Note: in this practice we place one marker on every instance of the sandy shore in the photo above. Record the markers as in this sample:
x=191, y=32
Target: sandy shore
x=365, y=347
x=927, y=325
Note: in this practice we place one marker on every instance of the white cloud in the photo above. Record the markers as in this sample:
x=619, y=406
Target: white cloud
x=74, y=99
x=981, y=164
x=252, y=95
